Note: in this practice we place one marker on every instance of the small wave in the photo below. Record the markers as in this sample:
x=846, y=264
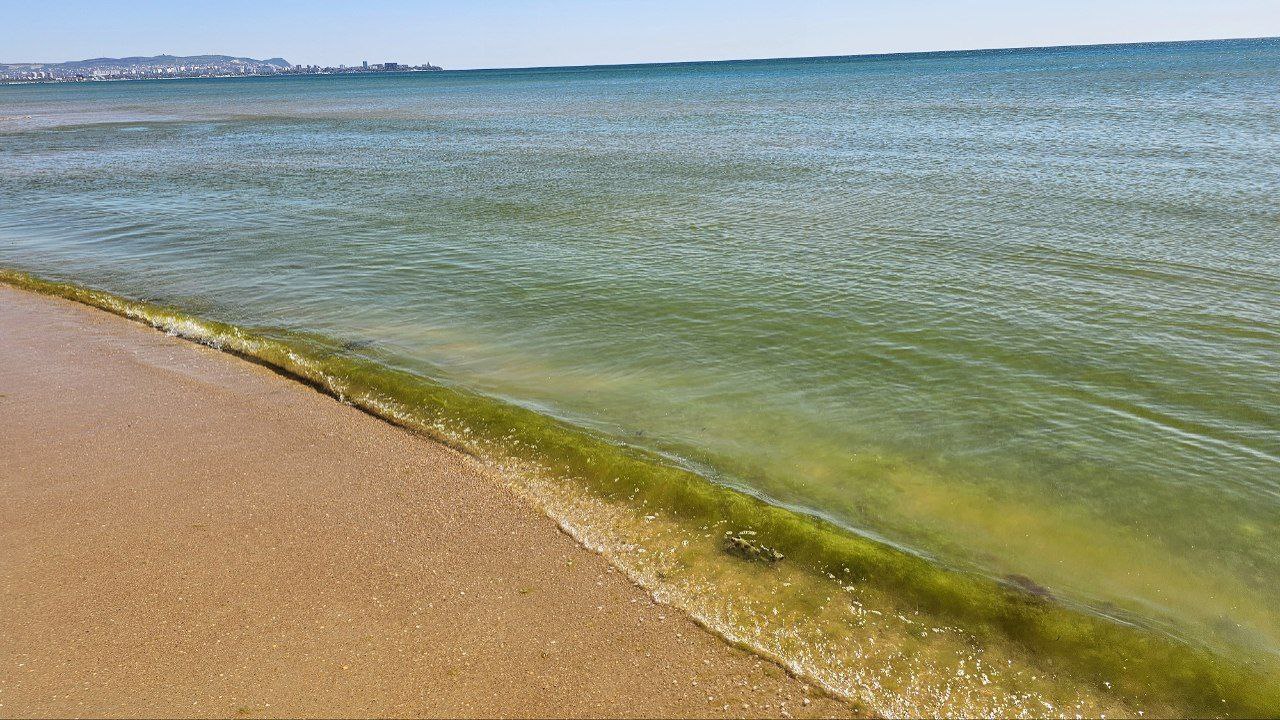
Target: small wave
x=893, y=631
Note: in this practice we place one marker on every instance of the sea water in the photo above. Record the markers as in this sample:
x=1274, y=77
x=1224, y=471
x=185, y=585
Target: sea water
x=988, y=337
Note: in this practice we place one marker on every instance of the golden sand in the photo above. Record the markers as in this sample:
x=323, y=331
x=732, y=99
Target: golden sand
x=184, y=533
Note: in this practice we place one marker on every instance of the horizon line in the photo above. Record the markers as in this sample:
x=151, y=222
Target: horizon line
x=895, y=53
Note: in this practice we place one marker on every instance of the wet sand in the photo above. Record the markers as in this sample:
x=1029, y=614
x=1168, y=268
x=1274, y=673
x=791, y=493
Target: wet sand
x=184, y=533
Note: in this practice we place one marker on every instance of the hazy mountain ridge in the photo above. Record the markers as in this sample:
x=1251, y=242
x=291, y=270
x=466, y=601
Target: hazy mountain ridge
x=149, y=61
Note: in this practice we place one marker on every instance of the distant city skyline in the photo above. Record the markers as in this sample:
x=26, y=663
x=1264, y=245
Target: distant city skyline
x=508, y=33
x=170, y=66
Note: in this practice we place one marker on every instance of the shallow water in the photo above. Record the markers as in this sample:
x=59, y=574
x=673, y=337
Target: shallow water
x=1017, y=313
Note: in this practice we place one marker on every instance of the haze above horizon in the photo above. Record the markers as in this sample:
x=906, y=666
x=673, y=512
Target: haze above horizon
x=509, y=33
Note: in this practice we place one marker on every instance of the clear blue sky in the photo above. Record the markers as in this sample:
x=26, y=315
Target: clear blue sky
x=510, y=33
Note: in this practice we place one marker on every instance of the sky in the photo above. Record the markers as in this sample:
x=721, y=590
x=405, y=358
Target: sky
x=512, y=33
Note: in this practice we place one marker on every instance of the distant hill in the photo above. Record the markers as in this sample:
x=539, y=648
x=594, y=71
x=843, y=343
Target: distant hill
x=147, y=62
x=169, y=67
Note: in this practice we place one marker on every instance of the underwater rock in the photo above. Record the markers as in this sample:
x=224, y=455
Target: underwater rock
x=750, y=550
x=1029, y=586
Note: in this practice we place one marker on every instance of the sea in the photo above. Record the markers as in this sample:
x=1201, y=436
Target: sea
x=950, y=381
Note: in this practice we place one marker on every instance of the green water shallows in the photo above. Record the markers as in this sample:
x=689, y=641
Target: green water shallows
x=1004, y=324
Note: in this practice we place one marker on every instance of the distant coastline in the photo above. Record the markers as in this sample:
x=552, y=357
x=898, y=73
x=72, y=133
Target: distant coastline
x=168, y=67
x=9, y=71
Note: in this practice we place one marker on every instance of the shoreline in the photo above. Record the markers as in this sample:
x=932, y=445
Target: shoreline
x=191, y=534
x=926, y=650
x=213, y=77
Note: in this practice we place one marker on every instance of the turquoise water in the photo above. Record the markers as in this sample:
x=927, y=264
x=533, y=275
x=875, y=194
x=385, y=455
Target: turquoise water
x=1014, y=312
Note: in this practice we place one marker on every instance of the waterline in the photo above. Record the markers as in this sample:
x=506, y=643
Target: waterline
x=893, y=631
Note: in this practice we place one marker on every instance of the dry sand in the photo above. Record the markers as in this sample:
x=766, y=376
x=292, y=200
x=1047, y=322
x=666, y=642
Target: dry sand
x=184, y=533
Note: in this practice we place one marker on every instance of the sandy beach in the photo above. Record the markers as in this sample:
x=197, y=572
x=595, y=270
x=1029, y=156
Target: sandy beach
x=186, y=533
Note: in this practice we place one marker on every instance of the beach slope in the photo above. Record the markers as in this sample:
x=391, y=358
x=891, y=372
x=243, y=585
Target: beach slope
x=186, y=533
